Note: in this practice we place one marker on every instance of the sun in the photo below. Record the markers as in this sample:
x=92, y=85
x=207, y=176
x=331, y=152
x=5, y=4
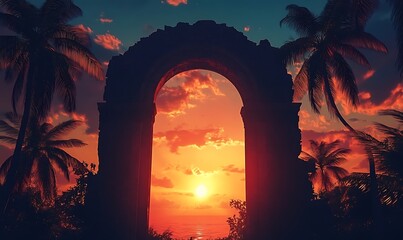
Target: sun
x=201, y=191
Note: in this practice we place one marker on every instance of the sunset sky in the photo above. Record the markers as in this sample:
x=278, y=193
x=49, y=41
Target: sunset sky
x=198, y=151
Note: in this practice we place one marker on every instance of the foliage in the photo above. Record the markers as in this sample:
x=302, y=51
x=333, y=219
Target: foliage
x=237, y=223
x=42, y=55
x=324, y=44
x=154, y=235
x=31, y=217
x=42, y=153
x=327, y=157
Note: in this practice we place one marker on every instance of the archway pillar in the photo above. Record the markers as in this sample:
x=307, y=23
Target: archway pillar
x=273, y=171
x=125, y=148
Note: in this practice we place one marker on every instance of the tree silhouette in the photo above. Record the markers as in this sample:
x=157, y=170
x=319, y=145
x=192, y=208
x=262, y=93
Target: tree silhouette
x=42, y=153
x=325, y=41
x=43, y=55
x=391, y=151
x=237, y=224
x=327, y=157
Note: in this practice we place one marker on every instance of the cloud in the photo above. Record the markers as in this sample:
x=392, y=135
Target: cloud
x=105, y=20
x=108, y=41
x=198, y=172
x=394, y=101
x=232, y=169
x=161, y=182
x=246, y=28
x=176, y=2
x=370, y=73
x=192, y=87
x=194, y=137
x=313, y=122
x=84, y=28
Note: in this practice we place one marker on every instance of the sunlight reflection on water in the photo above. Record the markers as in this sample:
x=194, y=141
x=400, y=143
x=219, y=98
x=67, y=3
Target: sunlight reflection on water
x=199, y=228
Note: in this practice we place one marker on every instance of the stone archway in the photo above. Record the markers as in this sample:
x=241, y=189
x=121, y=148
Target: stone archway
x=276, y=181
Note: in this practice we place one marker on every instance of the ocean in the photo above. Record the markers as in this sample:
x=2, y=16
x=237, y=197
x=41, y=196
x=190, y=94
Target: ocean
x=197, y=227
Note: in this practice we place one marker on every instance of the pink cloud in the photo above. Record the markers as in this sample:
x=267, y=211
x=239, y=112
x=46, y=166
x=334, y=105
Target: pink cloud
x=308, y=121
x=194, y=137
x=246, y=28
x=108, y=41
x=84, y=28
x=193, y=87
x=364, y=95
x=105, y=20
x=161, y=182
x=232, y=169
x=394, y=101
x=368, y=74
x=176, y=2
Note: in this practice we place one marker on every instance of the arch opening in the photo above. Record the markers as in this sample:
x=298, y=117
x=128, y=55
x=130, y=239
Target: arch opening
x=198, y=162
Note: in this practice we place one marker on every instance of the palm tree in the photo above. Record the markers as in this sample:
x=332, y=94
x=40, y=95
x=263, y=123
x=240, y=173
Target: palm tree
x=43, y=55
x=42, y=152
x=325, y=41
x=391, y=151
x=388, y=154
x=327, y=158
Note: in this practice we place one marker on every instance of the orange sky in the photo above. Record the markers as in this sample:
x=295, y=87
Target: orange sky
x=198, y=140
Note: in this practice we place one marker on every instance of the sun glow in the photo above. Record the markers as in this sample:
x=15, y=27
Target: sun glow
x=201, y=191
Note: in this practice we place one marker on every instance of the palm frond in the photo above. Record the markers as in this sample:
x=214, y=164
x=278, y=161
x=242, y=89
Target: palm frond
x=294, y=51
x=62, y=128
x=300, y=19
x=337, y=172
x=5, y=166
x=80, y=55
x=61, y=164
x=46, y=177
x=8, y=128
x=9, y=140
x=66, y=143
x=351, y=53
x=65, y=84
x=315, y=80
x=16, y=7
x=345, y=76
x=60, y=11
x=398, y=115
x=389, y=131
x=334, y=15
x=300, y=85
x=362, y=10
x=365, y=40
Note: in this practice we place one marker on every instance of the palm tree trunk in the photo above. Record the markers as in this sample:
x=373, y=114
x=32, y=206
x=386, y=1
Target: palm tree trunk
x=375, y=202
x=12, y=174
